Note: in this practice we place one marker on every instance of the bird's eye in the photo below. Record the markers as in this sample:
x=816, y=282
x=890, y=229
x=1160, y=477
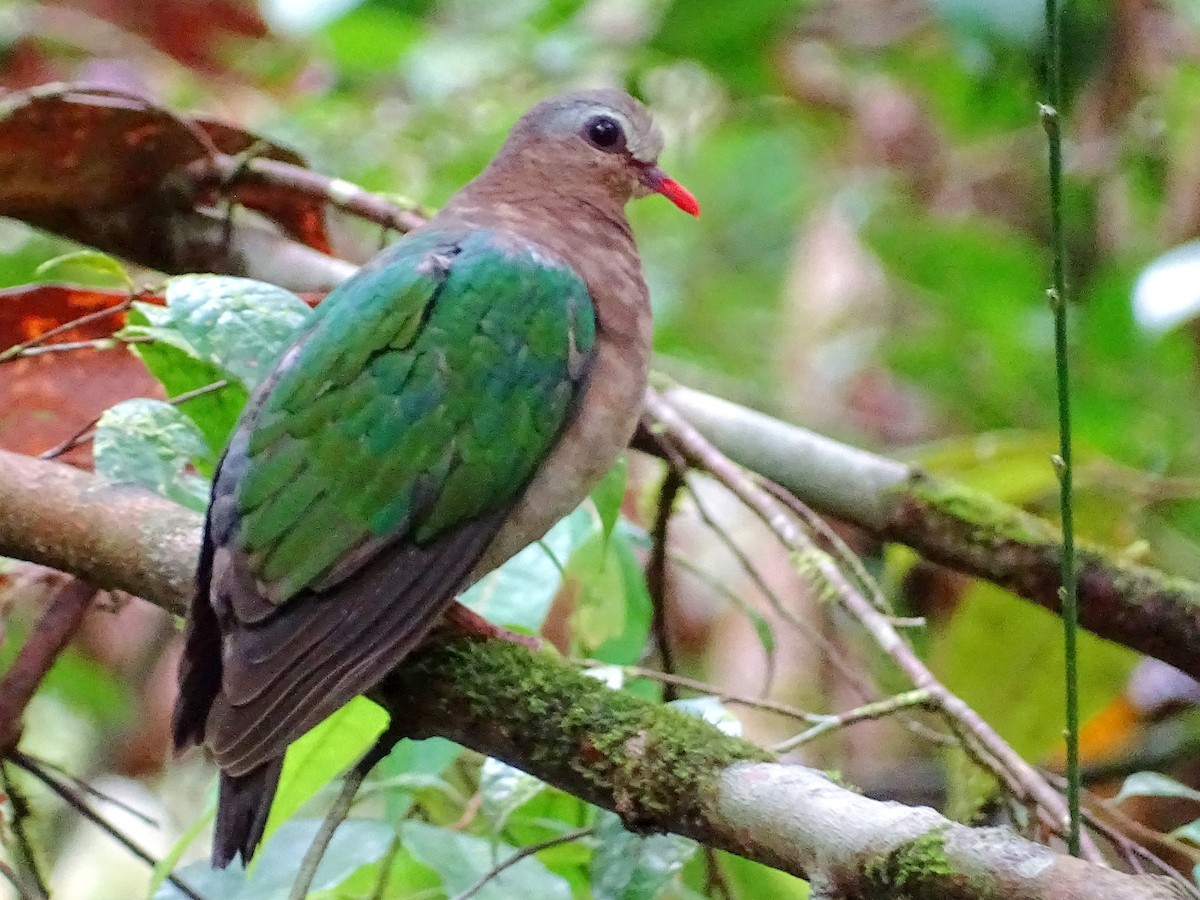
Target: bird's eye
x=604, y=133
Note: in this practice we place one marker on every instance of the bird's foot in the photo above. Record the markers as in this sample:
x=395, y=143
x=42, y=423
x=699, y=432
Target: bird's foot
x=462, y=620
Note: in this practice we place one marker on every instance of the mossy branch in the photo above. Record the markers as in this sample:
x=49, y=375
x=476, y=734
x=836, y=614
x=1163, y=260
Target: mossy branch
x=1139, y=607
x=657, y=768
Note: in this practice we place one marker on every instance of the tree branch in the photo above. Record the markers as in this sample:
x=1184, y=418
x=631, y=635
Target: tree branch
x=656, y=767
x=1137, y=606
x=113, y=536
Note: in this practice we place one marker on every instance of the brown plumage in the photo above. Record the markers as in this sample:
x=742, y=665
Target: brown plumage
x=263, y=665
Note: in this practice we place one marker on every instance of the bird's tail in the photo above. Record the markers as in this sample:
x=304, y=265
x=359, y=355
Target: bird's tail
x=243, y=802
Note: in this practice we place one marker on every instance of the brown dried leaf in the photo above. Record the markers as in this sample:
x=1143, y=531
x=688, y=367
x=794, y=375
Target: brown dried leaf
x=107, y=169
x=46, y=399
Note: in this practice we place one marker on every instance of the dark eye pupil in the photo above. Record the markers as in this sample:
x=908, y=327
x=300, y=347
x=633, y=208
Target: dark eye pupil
x=604, y=132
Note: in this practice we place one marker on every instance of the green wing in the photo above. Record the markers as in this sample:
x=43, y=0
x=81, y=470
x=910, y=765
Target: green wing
x=428, y=394
x=370, y=473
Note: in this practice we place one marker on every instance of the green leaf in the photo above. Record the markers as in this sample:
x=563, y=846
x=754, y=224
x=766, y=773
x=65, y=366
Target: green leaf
x=215, y=328
x=239, y=325
x=624, y=602
x=356, y=843
x=462, y=859
x=409, y=759
x=628, y=867
x=90, y=268
x=996, y=642
x=176, y=365
x=324, y=753
x=1154, y=784
x=519, y=593
x=505, y=789
x=151, y=443
x=165, y=865
x=608, y=494
x=1189, y=832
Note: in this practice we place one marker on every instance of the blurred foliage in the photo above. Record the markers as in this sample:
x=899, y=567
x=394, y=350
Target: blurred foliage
x=871, y=260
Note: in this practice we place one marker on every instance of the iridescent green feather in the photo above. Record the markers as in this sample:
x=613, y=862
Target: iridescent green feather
x=425, y=393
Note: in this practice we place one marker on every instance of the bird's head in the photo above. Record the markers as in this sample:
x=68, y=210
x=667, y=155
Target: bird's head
x=589, y=140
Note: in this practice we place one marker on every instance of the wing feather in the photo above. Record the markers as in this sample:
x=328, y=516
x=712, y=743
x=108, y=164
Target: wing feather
x=369, y=475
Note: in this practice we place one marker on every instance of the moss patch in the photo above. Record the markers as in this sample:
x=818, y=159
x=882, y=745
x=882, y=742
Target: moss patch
x=986, y=516
x=650, y=763
x=915, y=869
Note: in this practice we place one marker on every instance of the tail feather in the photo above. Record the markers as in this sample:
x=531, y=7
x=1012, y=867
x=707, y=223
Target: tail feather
x=243, y=802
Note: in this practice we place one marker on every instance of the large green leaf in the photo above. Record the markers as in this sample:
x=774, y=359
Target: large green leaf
x=410, y=764
x=627, y=866
x=613, y=609
x=174, y=362
x=215, y=328
x=239, y=325
x=356, y=843
x=519, y=593
x=323, y=754
x=505, y=789
x=1004, y=657
x=152, y=443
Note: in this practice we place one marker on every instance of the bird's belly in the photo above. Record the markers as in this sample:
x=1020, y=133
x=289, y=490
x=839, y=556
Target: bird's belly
x=600, y=430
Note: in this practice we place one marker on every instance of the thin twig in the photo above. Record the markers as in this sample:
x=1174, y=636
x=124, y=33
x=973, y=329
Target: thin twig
x=841, y=552
x=20, y=349
x=656, y=575
x=385, y=868
x=716, y=884
x=877, y=710
x=82, y=435
x=1051, y=113
x=80, y=806
x=24, y=892
x=1095, y=810
x=111, y=342
x=339, y=811
x=711, y=690
x=524, y=853
x=834, y=655
x=84, y=788
x=47, y=640
x=228, y=172
x=1018, y=775
x=751, y=570
x=26, y=857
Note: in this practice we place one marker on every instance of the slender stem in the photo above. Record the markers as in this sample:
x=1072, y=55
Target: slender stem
x=76, y=802
x=876, y=710
x=656, y=575
x=341, y=809
x=26, y=858
x=1021, y=779
x=336, y=816
x=23, y=892
x=523, y=853
x=20, y=349
x=1051, y=120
